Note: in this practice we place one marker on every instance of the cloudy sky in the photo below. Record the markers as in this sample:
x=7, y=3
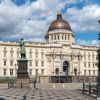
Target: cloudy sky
x=30, y=19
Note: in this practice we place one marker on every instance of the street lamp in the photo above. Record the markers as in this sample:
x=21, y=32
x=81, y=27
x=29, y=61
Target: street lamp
x=98, y=77
x=15, y=70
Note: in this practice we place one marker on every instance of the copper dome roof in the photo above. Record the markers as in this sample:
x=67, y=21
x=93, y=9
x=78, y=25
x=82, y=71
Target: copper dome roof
x=59, y=23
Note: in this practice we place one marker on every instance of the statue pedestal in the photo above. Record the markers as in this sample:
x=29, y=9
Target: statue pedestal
x=22, y=83
x=22, y=74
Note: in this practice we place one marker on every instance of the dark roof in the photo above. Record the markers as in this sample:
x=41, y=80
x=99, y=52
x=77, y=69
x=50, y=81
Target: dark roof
x=59, y=23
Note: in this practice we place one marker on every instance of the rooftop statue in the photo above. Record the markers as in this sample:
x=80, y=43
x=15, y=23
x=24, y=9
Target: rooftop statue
x=22, y=49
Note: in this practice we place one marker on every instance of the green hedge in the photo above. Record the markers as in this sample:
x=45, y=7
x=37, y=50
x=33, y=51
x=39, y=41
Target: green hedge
x=7, y=79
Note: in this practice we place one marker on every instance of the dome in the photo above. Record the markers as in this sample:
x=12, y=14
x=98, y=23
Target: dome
x=59, y=23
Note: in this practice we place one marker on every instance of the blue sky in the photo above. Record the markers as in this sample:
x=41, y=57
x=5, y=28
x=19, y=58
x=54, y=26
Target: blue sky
x=30, y=19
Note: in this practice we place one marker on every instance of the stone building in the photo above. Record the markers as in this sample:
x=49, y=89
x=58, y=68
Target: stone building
x=58, y=59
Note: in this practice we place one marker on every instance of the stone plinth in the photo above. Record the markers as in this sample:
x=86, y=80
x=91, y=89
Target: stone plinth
x=22, y=74
x=22, y=83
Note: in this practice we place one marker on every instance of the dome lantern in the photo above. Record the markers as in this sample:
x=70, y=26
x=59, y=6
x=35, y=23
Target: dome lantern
x=59, y=16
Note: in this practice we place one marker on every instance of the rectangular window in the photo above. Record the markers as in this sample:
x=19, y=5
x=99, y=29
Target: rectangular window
x=11, y=63
x=92, y=57
x=88, y=57
x=84, y=64
x=36, y=71
x=4, y=54
x=30, y=63
x=68, y=37
x=4, y=72
x=58, y=37
x=11, y=72
x=89, y=72
x=62, y=37
x=42, y=55
x=65, y=37
x=51, y=37
x=94, y=72
x=5, y=62
x=84, y=56
x=42, y=63
x=30, y=53
x=11, y=53
x=36, y=54
x=42, y=71
x=30, y=71
x=93, y=65
x=5, y=51
x=84, y=72
x=89, y=64
x=36, y=63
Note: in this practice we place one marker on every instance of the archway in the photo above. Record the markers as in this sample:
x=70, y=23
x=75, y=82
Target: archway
x=65, y=67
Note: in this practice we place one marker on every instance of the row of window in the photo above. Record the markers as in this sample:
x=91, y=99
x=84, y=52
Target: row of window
x=89, y=64
x=11, y=72
x=30, y=63
x=90, y=72
x=57, y=37
x=93, y=57
x=18, y=53
x=36, y=71
x=30, y=72
x=36, y=63
x=89, y=56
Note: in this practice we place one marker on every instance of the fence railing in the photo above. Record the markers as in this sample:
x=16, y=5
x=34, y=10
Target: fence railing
x=89, y=88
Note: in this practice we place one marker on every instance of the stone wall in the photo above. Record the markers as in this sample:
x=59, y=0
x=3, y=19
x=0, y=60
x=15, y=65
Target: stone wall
x=68, y=79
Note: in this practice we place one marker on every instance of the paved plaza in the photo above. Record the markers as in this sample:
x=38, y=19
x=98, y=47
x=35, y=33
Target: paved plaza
x=42, y=94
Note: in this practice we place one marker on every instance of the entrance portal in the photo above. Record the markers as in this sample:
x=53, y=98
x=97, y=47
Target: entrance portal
x=61, y=78
x=65, y=67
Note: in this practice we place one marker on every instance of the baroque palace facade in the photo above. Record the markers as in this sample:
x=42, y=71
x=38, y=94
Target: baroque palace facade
x=57, y=58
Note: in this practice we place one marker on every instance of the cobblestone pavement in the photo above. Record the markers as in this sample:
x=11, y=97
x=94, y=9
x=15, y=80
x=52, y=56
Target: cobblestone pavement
x=42, y=94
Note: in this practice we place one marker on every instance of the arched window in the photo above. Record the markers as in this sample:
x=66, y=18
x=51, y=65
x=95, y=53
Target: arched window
x=75, y=71
x=65, y=67
x=57, y=71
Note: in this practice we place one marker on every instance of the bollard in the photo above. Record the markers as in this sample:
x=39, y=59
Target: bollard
x=21, y=85
x=8, y=85
x=89, y=88
x=83, y=87
x=34, y=85
x=24, y=97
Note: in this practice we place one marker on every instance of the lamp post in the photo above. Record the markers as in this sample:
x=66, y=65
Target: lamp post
x=98, y=77
x=15, y=70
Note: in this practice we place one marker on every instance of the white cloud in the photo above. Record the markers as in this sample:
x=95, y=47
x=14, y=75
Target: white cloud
x=85, y=19
x=27, y=20
x=31, y=20
x=87, y=42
